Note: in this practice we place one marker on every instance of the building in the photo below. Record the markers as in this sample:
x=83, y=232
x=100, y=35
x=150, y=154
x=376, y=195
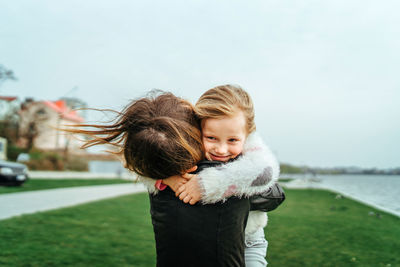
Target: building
x=40, y=122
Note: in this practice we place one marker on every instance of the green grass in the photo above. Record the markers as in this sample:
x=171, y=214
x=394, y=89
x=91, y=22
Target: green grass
x=311, y=228
x=114, y=232
x=40, y=184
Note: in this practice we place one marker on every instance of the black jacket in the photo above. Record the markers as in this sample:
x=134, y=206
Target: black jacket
x=198, y=235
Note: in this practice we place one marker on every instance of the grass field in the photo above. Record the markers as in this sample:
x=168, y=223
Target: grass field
x=314, y=228
x=311, y=228
x=40, y=184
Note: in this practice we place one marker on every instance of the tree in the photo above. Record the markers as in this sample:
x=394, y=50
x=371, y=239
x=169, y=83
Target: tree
x=6, y=74
x=9, y=119
x=8, y=110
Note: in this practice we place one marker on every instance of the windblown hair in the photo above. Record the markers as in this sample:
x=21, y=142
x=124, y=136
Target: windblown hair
x=226, y=101
x=158, y=135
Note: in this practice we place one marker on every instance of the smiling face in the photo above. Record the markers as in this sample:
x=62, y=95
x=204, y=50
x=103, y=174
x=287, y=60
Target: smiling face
x=223, y=139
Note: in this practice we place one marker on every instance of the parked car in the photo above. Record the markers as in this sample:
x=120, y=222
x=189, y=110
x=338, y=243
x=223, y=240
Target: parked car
x=12, y=173
x=23, y=157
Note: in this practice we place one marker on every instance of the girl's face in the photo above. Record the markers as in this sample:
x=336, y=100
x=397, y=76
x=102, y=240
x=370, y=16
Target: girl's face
x=223, y=139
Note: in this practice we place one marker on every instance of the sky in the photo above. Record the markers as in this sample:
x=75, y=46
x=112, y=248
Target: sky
x=323, y=75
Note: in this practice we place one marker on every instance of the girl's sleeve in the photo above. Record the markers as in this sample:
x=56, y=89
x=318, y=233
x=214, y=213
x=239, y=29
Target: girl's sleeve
x=149, y=183
x=253, y=173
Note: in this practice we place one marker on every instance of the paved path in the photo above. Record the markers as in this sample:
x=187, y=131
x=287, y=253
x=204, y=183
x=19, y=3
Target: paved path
x=15, y=204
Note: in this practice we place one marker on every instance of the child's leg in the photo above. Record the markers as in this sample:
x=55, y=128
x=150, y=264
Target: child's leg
x=256, y=249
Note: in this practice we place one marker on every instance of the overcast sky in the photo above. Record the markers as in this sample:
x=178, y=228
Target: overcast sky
x=324, y=75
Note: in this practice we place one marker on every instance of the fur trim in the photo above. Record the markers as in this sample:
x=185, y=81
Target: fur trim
x=257, y=219
x=253, y=173
x=149, y=183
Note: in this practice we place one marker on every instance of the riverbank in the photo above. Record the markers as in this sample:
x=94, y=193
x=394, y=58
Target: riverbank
x=317, y=228
x=381, y=192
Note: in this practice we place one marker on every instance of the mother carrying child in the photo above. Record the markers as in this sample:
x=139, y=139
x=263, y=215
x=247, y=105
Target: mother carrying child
x=159, y=136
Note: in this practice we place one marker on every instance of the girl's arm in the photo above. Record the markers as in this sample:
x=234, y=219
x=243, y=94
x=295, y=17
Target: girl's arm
x=253, y=173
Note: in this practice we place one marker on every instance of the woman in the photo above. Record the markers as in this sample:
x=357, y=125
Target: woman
x=159, y=136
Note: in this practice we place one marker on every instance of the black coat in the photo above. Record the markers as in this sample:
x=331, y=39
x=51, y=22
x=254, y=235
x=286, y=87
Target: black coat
x=198, y=235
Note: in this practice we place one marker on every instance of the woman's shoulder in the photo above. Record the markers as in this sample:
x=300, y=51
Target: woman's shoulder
x=207, y=164
x=210, y=164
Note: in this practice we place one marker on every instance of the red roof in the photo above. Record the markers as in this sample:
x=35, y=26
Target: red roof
x=60, y=107
x=8, y=98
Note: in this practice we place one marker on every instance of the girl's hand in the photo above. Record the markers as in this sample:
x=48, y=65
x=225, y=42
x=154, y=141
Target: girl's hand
x=176, y=181
x=190, y=192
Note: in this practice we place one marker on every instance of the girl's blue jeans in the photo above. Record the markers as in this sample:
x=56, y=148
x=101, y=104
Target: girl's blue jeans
x=256, y=249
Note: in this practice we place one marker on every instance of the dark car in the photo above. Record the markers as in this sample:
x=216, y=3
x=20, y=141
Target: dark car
x=12, y=173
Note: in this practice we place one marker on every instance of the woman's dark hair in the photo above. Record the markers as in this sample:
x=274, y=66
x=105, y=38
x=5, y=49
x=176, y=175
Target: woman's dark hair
x=158, y=135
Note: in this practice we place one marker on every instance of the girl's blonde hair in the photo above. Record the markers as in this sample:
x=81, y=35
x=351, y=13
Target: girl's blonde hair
x=226, y=100
x=158, y=135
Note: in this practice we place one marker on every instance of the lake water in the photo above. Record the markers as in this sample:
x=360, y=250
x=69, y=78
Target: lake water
x=380, y=191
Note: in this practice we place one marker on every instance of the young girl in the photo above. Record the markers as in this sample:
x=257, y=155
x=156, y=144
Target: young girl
x=227, y=120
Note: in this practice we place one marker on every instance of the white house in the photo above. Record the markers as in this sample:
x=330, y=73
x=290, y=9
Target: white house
x=40, y=122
